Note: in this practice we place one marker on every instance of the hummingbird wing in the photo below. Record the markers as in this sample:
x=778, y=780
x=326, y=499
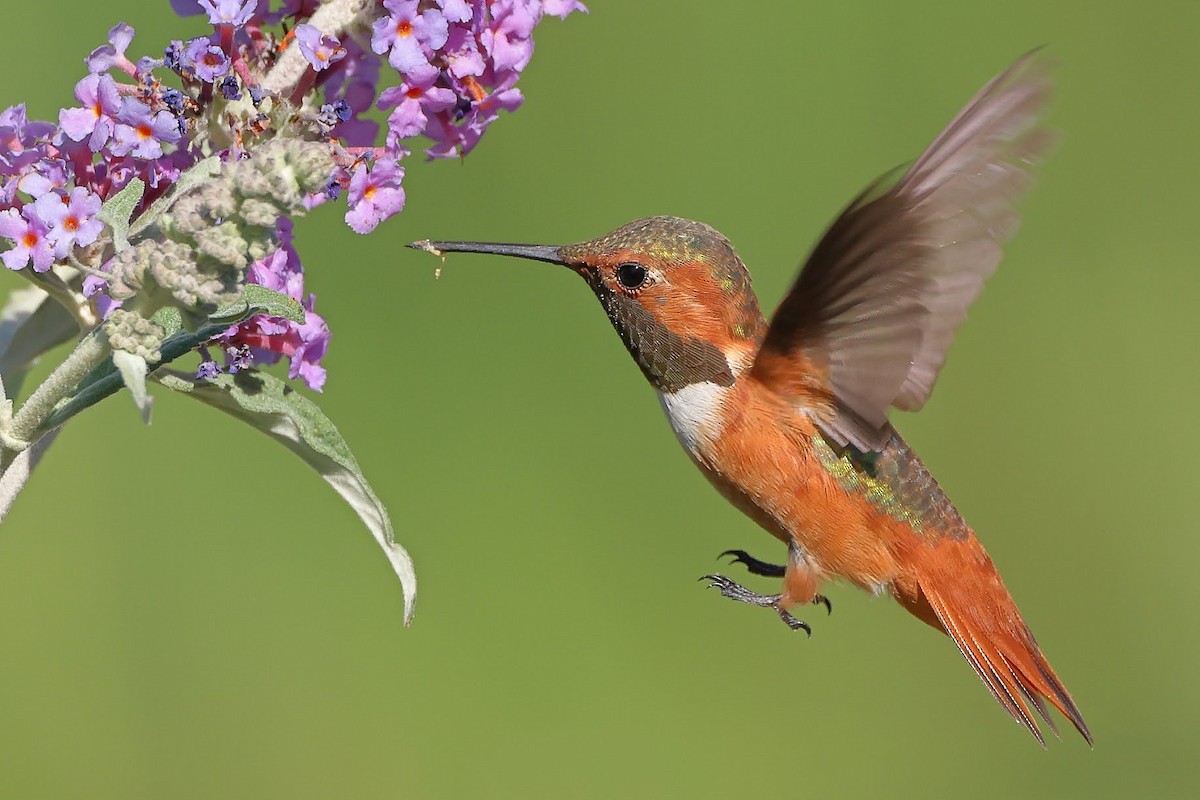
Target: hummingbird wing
x=877, y=303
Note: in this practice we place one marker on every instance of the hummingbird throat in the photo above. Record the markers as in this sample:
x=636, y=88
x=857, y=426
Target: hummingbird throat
x=669, y=361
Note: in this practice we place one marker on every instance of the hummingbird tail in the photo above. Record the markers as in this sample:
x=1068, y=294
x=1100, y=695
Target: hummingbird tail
x=968, y=601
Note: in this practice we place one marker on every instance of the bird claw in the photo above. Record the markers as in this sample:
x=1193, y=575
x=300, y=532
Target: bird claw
x=793, y=623
x=822, y=600
x=757, y=567
x=735, y=591
x=753, y=565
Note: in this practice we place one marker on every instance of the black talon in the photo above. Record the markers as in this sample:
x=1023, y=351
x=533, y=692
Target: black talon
x=753, y=565
x=823, y=600
x=793, y=623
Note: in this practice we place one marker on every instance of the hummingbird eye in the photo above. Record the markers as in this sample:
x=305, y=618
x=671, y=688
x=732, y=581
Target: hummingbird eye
x=631, y=275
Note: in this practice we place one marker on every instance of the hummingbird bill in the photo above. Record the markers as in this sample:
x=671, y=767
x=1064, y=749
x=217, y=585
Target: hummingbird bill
x=788, y=419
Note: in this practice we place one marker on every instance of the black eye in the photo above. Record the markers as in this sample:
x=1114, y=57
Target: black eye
x=632, y=276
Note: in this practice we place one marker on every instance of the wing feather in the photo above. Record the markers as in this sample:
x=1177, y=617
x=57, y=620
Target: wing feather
x=882, y=293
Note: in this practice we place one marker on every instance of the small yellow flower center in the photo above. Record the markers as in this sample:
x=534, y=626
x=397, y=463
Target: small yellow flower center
x=404, y=28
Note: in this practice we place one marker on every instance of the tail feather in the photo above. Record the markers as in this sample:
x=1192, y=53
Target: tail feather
x=997, y=644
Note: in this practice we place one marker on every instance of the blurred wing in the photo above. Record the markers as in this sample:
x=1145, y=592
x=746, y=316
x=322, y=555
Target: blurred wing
x=878, y=302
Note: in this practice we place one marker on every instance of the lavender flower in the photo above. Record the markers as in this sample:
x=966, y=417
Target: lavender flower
x=140, y=132
x=321, y=51
x=108, y=56
x=208, y=368
x=27, y=233
x=456, y=10
x=408, y=37
x=72, y=219
x=413, y=102
x=229, y=12
x=95, y=120
x=375, y=195
x=207, y=61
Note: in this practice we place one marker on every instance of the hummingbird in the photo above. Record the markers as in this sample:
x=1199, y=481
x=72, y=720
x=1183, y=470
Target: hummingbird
x=788, y=419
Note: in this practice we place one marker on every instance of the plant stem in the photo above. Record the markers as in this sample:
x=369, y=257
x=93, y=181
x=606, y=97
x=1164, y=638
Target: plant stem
x=90, y=351
x=333, y=18
x=76, y=305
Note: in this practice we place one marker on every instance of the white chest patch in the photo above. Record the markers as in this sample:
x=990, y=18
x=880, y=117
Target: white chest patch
x=695, y=413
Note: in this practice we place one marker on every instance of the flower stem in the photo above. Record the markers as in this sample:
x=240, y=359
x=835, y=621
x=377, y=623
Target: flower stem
x=74, y=302
x=332, y=19
x=90, y=351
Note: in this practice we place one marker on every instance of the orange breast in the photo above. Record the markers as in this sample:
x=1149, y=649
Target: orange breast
x=763, y=461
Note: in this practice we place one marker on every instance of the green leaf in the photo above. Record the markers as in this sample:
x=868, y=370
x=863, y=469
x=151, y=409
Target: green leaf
x=105, y=380
x=257, y=299
x=17, y=473
x=133, y=371
x=201, y=172
x=268, y=404
x=117, y=210
x=30, y=324
x=170, y=319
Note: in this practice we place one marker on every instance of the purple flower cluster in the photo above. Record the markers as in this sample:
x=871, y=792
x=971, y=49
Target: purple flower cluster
x=458, y=61
x=264, y=340
x=454, y=67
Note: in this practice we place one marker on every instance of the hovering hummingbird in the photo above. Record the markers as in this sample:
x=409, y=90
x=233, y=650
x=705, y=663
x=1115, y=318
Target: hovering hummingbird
x=788, y=420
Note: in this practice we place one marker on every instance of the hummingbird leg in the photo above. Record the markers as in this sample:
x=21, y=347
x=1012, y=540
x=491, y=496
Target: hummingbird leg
x=753, y=565
x=735, y=591
x=756, y=567
x=792, y=622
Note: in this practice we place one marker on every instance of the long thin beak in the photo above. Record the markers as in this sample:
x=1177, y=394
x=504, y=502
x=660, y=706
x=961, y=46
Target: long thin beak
x=536, y=252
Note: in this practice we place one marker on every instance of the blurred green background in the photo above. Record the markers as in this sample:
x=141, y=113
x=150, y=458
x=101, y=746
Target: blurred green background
x=187, y=611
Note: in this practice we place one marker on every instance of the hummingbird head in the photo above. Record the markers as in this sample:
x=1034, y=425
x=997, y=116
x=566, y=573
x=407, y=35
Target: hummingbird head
x=674, y=290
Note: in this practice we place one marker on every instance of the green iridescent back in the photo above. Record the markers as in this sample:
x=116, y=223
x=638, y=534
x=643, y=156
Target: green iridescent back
x=896, y=482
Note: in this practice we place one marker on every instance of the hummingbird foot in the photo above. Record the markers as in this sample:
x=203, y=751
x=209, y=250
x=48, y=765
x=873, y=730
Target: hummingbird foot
x=756, y=567
x=822, y=600
x=735, y=591
x=753, y=565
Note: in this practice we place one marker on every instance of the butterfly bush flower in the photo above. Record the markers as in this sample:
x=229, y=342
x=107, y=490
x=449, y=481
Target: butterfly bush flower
x=229, y=12
x=409, y=38
x=265, y=340
x=278, y=102
x=28, y=235
x=95, y=120
x=320, y=51
x=141, y=131
x=375, y=195
x=112, y=55
x=72, y=219
x=208, y=61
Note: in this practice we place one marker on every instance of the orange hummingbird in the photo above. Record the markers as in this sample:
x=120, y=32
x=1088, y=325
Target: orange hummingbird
x=788, y=420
